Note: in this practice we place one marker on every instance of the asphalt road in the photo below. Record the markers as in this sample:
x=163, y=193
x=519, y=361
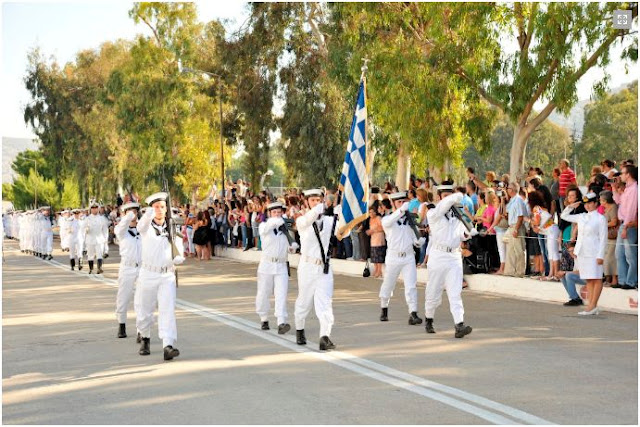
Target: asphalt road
x=524, y=363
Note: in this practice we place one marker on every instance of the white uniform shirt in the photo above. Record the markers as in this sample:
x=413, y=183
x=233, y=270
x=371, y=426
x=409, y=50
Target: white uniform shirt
x=96, y=230
x=274, y=246
x=592, y=232
x=68, y=227
x=446, y=230
x=309, y=246
x=156, y=249
x=130, y=243
x=400, y=236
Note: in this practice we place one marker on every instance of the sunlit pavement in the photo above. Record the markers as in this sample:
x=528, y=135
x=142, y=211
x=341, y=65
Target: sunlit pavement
x=525, y=362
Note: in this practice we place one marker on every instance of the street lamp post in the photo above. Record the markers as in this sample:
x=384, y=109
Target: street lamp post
x=219, y=82
x=35, y=187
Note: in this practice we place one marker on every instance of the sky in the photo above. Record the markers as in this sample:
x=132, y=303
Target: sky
x=63, y=29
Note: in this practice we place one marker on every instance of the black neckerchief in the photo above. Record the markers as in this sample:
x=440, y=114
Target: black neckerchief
x=161, y=230
x=134, y=232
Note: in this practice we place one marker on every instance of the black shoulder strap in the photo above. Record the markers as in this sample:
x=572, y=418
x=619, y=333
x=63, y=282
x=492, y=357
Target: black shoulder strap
x=315, y=229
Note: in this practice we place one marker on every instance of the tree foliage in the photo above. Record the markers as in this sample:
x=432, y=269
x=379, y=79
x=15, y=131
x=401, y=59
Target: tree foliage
x=611, y=129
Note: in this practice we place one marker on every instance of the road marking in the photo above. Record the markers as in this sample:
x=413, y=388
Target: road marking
x=488, y=410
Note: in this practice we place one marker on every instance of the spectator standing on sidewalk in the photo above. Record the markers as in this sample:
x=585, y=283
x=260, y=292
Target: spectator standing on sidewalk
x=627, y=240
x=611, y=214
x=515, y=246
x=567, y=178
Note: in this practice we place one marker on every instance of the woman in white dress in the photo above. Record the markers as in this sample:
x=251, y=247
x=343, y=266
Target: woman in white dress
x=590, y=247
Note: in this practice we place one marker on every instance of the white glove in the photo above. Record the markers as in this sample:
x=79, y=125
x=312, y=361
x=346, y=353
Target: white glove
x=150, y=212
x=179, y=259
x=420, y=242
x=293, y=247
x=473, y=232
x=404, y=207
x=277, y=222
x=130, y=216
x=319, y=208
x=457, y=197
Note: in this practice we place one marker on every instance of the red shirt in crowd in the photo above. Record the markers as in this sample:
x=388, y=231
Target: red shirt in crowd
x=567, y=177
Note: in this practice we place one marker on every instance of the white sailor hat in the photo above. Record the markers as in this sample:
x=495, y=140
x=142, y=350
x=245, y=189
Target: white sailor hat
x=75, y=211
x=590, y=197
x=130, y=205
x=155, y=197
x=45, y=208
x=313, y=192
x=399, y=195
x=94, y=204
x=275, y=205
x=445, y=187
x=65, y=211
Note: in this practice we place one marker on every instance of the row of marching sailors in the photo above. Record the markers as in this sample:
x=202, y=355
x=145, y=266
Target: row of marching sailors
x=34, y=230
x=82, y=234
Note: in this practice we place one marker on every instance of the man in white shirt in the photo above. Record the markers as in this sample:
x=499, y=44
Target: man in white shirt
x=96, y=229
x=157, y=280
x=273, y=274
x=130, y=248
x=445, y=259
x=315, y=277
x=400, y=258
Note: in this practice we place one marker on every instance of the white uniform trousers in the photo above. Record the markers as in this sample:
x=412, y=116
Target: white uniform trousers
x=105, y=251
x=410, y=278
x=444, y=272
x=126, y=284
x=192, y=248
x=73, y=248
x=314, y=287
x=276, y=284
x=160, y=287
x=94, y=250
x=48, y=242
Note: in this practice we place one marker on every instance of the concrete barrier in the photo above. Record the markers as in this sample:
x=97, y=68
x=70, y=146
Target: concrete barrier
x=614, y=300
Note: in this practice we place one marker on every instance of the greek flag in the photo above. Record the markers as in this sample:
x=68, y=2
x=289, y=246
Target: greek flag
x=354, y=182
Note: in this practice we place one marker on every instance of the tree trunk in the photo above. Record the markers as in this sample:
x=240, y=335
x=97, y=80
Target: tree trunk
x=521, y=135
x=403, y=172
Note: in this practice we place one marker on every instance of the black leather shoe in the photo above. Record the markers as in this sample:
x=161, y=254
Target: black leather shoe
x=428, y=326
x=100, y=270
x=283, y=328
x=50, y=257
x=72, y=261
x=384, y=314
x=326, y=344
x=572, y=302
x=462, y=330
x=105, y=256
x=300, y=338
x=170, y=352
x=617, y=286
x=627, y=287
x=122, y=330
x=139, y=338
x=265, y=326
x=145, y=347
x=414, y=319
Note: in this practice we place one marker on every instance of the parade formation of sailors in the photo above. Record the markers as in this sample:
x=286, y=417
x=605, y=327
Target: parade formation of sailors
x=445, y=259
x=130, y=248
x=400, y=258
x=157, y=281
x=273, y=271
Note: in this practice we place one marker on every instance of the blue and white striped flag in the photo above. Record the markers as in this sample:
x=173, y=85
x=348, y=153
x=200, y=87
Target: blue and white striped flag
x=354, y=182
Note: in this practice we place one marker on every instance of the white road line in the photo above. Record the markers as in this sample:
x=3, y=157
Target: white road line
x=495, y=412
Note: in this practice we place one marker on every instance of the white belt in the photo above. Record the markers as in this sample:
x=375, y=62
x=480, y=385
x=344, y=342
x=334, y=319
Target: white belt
x=402, y=254
x=443, y=248
x=311, y=260
x=129, y=263
x=155, y=269
x=275, y=259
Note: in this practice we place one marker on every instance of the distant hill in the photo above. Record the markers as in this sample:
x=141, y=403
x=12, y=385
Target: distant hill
x=10, y=149
x=575, y=120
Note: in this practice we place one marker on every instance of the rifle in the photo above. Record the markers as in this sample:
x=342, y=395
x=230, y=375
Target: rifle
x=170, y=225
x=412, y=218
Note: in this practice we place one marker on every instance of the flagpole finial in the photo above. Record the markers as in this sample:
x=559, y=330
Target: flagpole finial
x=364, y=67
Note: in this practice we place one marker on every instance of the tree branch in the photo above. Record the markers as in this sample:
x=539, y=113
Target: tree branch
x=594, y=57
x=155, y=33
x=533, y=124
x=483, y=93
x=543, y=85
x=534, y=10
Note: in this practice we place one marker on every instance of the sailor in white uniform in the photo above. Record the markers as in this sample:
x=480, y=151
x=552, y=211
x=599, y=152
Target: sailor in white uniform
x=95, y=232
x=64, y=232
x=130, y=248
x=69, y=228
x=157, y=280
x=273, y=271
x=445, y=259
x=400, y=258
x=315, y=276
